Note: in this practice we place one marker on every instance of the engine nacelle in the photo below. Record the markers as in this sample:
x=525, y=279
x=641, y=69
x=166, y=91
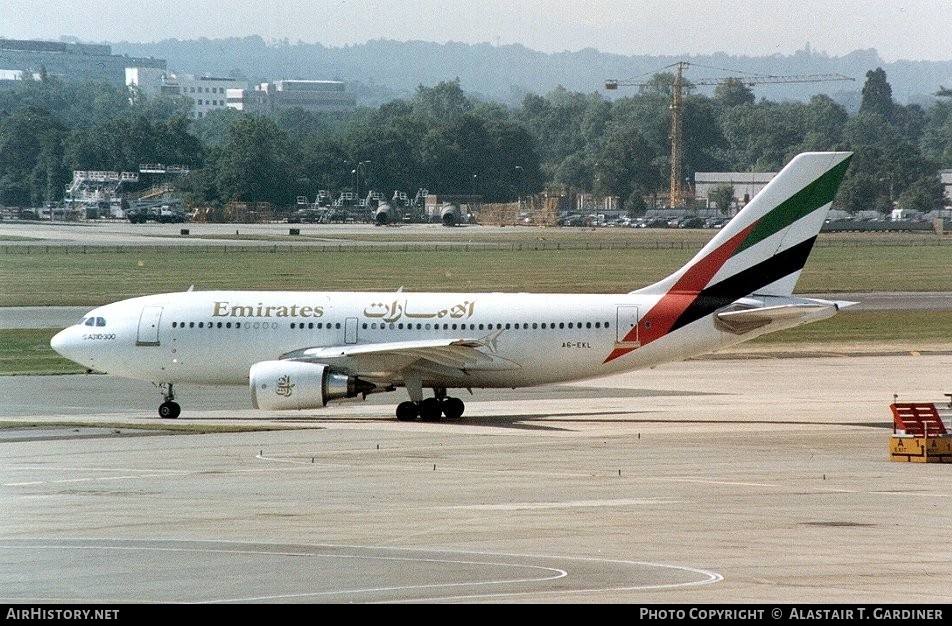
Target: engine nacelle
x=386, y=214
x=450, y=215
x=288, y=385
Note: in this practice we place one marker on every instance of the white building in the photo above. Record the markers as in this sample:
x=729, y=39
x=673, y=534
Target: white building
x=148, y=80
x=946, y=177
x=321, y=96
x=745, y=184
x=8, y=77
x=207, y=93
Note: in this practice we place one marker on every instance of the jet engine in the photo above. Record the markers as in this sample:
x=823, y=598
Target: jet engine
x=386, y=214
x=450, y=215
x=287, y=385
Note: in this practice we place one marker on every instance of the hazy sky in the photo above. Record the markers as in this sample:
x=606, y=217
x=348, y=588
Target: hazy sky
x=897, y=29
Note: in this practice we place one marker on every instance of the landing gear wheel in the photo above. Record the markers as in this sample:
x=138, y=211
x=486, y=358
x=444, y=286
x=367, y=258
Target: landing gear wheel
x=169, y=410
x=431, y=409
x=453, y=408
x=407, y=411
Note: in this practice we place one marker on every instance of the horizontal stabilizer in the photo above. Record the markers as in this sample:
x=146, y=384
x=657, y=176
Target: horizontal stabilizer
x=740, y=321
x=842, y=304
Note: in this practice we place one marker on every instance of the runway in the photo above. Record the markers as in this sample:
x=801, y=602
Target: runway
x=756, y=480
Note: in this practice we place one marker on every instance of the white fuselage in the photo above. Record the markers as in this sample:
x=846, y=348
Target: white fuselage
x=215, y=337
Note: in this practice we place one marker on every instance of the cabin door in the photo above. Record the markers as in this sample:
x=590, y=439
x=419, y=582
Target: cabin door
x=626, y=326
x=149, y=326
x=350, y=330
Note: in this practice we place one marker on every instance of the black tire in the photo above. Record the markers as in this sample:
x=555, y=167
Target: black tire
x=431, y=410
x=169, y=410
x=407, y=412
x=453, y=408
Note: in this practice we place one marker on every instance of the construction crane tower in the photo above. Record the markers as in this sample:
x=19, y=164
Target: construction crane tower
x=678, y=87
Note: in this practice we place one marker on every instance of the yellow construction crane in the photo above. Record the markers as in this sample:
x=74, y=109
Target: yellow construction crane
x=677, y=107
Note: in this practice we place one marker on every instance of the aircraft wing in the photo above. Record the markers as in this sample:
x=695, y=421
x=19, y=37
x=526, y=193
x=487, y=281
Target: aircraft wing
x=386, y=361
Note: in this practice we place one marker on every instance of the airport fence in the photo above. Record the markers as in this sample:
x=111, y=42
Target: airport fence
x=416, y=247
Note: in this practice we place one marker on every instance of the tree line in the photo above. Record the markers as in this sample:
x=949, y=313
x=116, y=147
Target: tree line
x=448, y=142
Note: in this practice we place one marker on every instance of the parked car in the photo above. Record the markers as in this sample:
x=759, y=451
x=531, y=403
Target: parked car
x=691, y=222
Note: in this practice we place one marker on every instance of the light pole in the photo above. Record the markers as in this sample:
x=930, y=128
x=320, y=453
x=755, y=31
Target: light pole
x=366, y=175
x=474, y=187
x=522, y=175
x=356, y=173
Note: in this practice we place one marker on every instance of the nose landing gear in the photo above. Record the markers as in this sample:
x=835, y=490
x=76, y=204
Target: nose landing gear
x=169, y=409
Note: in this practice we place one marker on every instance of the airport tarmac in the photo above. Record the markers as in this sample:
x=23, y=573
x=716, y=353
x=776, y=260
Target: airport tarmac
x=744, y=478
x=748, y=479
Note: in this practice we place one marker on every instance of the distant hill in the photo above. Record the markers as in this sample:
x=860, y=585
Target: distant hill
x=381, y=70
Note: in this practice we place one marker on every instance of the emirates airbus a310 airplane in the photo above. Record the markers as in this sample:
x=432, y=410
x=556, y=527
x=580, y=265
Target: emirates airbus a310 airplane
x=300, y=350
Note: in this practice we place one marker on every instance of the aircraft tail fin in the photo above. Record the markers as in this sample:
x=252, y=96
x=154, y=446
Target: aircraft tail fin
x=764, y=248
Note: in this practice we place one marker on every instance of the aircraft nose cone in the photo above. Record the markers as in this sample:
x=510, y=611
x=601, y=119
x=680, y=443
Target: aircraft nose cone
x=61, y=343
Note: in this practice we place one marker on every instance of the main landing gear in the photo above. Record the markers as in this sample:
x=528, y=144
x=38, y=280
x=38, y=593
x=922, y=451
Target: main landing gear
x=168, y=409
x=431, y=409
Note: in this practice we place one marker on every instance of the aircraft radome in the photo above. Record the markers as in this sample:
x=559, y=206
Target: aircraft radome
x=302, y=349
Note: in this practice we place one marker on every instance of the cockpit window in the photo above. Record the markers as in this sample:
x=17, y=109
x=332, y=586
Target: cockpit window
x=100, y=321
x=92, y=321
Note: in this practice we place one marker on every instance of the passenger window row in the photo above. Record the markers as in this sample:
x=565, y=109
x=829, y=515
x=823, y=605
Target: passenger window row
x=385, y=326
x=236, y=325
x=497, y=326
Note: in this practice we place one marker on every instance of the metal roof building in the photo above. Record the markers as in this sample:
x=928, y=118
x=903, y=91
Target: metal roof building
x=70, y=61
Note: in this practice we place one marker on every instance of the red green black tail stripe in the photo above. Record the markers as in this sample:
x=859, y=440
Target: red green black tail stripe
x=692, y=297
x=815, y=195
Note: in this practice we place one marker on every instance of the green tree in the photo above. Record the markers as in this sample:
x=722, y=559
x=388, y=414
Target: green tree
x=446, y=102
x=923, y=195
x=823, y=121
x=662, y=83
x=885, y=159
x=650, y=114
x=859, y=191
x=515, y=161
x=160, y=108
x=732, y=93
x=723, y=197
x=765, y=136
x=212, y=129
x=877, y=94
x=123, y=143
x=322, y=164
x=563, y=123
x=635, y=204
x=31, y=158
x=576, y=171
x=704, y=143
x=392, y=142
x=255, y=163
x=300, y=124
x=626, y=166
x=936, y=140
x=173, y=144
